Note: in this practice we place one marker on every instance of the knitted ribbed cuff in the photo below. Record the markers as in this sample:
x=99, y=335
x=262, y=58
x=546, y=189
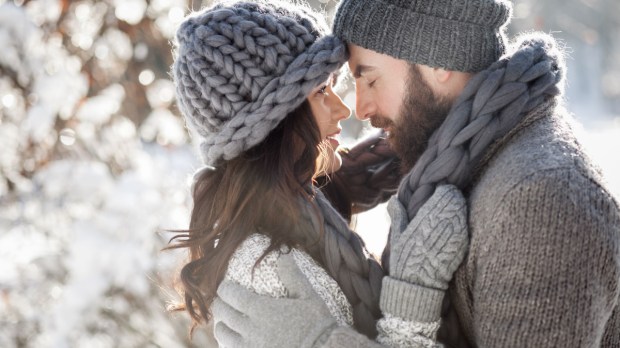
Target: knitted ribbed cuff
x=410, y=302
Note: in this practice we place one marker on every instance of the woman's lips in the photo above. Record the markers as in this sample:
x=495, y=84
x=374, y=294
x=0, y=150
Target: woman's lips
x=333, y=142
x=333, y=138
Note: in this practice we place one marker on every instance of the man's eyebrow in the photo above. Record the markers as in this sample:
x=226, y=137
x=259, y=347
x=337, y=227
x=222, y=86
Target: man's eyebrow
x=361, y=69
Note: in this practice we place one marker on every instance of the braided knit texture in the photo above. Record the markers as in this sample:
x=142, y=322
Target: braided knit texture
x=492, y=103
x=242, y=67
x=346, y=259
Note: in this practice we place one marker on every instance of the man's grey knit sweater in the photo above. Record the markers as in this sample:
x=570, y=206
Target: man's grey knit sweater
x=543, y=269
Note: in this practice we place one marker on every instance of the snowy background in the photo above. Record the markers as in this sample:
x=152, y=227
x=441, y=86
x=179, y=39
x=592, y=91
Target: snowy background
x=96, y=162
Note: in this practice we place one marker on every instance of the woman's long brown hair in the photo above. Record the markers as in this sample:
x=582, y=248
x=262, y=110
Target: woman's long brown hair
x=256, y=192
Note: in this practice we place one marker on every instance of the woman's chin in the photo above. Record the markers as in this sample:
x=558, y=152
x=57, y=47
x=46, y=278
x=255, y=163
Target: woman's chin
x=330, y=160
x=335, y=162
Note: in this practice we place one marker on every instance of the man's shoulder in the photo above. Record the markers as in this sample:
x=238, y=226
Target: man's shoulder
x=542, y=191
x=543, y=166
x=546, y=149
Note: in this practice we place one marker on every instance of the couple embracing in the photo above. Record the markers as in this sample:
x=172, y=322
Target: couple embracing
x=503, y=233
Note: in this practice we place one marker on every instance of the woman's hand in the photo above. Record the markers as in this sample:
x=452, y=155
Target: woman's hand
x=246, y=319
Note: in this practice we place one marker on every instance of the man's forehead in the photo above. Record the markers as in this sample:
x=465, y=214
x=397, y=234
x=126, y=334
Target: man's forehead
x=361, y=60
x=366, y=61
x=355, y=53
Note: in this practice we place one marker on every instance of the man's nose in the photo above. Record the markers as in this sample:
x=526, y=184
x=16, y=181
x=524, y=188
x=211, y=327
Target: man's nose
x=363, y=105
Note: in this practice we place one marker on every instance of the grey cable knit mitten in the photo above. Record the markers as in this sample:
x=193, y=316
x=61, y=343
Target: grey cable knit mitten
x=425, y=253
x=246, y=319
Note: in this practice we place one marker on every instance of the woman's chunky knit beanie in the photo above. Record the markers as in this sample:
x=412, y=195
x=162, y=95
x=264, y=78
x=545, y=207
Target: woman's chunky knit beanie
x=241, y=67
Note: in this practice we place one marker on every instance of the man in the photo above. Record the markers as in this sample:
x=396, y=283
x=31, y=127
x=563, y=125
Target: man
x=543, y=268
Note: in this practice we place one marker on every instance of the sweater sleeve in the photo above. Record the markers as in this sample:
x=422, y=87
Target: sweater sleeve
x=548, y=267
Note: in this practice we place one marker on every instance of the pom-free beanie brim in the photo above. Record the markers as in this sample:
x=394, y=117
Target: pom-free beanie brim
x=454, y=35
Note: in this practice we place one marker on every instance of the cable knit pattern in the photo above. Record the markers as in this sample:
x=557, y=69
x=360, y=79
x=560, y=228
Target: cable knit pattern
x=265, y=280
x=242, y=67
x=427, y=250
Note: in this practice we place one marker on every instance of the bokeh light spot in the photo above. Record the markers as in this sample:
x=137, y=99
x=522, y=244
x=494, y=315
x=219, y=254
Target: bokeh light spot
x=146, y=77
x=67, y=136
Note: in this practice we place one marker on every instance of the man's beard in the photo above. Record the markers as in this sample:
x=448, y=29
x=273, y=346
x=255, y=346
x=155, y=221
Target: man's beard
x=421, y=113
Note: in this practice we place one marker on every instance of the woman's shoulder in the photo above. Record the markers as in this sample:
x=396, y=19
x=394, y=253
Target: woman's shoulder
x=261, y=278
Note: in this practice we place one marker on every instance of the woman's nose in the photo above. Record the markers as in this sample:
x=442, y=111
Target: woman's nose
x=341, y=110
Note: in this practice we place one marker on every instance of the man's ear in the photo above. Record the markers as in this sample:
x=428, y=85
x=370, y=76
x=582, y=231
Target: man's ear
x=440, y=80
x=450, y=83
x=442, y=75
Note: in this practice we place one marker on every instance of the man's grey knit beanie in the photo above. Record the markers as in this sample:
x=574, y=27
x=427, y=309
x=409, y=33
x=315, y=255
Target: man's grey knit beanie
x=458, y=35
x=241, y=67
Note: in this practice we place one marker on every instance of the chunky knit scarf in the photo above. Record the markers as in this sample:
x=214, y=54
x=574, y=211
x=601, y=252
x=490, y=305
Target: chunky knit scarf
x=345, y=258
x=492, y=103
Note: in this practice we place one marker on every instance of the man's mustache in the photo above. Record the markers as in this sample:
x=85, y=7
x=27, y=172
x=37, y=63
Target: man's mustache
x=381, y=122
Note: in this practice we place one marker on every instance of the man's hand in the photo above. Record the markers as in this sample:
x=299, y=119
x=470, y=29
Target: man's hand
x=369, y=175
x=246, y=319
x=429, y=249
x=424, y=254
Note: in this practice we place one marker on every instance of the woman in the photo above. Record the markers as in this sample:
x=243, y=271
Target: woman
x=255, y=81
